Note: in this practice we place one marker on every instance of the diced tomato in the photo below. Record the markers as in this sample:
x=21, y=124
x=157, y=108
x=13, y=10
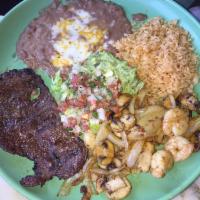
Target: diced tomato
x=72, y=122
x=62, y=107
x=85, y=116
x=84, y=80
x=84, y=125
x=78, y=80
x=81, y=102
x=115, y=109
x=64, y=73
x=103, y=104
x=114, y=88
x=75, y=81
x=93, y=103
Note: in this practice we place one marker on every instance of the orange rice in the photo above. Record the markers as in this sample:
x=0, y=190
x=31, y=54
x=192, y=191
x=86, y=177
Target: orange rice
x=164, y=57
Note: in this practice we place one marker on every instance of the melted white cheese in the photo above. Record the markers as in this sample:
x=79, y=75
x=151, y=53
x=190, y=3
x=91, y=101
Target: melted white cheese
x=74, y=39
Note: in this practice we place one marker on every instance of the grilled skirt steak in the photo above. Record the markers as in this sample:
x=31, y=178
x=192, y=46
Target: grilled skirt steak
x=30, y=126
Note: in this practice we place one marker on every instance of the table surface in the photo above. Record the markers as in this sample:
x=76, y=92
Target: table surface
x=5, y=6
x=8, y=193
x=192, y=193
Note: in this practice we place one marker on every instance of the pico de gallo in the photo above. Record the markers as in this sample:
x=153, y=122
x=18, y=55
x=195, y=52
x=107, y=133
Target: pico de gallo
x=87, y=94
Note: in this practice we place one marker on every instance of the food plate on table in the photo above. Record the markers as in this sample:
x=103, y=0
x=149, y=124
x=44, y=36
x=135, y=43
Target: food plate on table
x=99, y=46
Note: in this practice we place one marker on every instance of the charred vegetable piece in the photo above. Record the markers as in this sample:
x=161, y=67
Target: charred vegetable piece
x=190, y=102
x=117, y=126
x=139, y=17
x=197, y=142
x=150, y=118
x=35, y=94
x=134, y=153
x=169, y=102
x=89, y=139
x=86, y=193
x=104, y=153
x=128, y=120
x=144, y=160
x=103, y=133
x=138, y=133
x=194, y=126
x=122, y=100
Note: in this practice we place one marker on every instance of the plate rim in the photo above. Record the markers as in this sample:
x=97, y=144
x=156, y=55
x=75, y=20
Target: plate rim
x=179, y=189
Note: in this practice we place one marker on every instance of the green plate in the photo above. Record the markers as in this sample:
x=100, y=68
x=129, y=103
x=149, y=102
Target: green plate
x=145, y=187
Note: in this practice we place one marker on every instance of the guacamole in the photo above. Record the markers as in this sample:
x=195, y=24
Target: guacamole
x=106, y=65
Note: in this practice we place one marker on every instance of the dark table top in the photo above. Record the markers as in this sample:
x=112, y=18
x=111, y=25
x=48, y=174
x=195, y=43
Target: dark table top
x=5, y=6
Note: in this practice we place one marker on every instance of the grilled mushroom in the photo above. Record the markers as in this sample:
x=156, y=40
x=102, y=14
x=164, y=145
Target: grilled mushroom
x=117, y=188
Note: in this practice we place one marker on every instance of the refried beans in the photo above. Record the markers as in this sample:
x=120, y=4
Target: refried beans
x=64, y=35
